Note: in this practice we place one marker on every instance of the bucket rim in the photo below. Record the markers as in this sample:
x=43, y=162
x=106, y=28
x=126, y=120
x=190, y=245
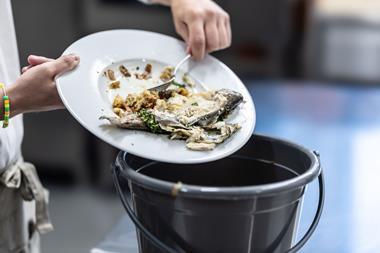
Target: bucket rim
x=236, y=192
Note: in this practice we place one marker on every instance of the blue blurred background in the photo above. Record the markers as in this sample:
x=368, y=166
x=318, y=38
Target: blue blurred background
x=313, y=69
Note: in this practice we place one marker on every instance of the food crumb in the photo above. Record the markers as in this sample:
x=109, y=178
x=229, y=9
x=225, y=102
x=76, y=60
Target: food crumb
x=183, y=92
x=118, y=101
x=146, y=74
x=148, y=68
x=118, y=111
x=111, y=75
x=188, y=80
x=115, y=85
x=124, y=71
x=167, y=74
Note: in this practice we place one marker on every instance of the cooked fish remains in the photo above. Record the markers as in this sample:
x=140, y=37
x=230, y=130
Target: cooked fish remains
x=197, y=118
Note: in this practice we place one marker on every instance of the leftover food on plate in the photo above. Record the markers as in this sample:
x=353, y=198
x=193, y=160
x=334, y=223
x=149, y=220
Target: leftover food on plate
x=114, y=85
x=110, y=74
x=146, y=74
x=199, y=118
x=167, y=74
x=124, y=71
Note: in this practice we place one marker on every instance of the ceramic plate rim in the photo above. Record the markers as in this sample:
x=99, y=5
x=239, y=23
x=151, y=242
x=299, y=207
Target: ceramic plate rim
x=207, y=157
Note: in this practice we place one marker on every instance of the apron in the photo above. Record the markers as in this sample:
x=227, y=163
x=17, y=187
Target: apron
x=24, y=209
x=23, y=200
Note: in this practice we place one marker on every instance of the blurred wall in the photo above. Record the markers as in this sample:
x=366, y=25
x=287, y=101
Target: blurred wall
x=343, y=41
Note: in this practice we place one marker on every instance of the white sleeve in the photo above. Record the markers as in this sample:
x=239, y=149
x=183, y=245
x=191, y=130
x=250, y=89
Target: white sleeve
x=10, y=137
x=10, y=142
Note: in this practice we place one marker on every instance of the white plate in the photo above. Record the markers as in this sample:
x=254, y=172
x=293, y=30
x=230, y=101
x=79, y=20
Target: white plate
x=85, y=92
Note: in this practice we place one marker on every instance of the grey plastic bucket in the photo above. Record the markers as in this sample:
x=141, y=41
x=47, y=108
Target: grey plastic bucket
x=248, y=202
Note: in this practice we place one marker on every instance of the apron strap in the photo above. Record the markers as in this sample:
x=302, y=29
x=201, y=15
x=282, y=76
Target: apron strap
x=23, y=176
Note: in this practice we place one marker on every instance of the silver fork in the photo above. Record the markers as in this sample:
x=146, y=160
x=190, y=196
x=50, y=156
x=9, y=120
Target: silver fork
x=166, y=84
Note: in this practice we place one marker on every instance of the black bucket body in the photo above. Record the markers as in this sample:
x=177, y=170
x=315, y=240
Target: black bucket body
x=248, y=202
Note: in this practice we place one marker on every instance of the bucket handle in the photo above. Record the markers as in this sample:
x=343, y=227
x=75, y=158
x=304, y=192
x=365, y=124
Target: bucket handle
x=164, y=248
x=148, y=235
x=317, y=216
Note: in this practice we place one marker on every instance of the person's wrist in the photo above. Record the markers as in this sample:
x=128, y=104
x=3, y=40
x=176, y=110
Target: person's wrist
x=14, y=100
x=1, y=105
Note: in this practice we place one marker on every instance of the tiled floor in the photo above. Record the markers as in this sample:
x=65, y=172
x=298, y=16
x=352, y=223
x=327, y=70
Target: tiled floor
x=81, y=218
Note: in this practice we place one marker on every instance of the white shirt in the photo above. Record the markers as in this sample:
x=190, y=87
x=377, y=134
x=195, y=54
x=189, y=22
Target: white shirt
x=11, y=137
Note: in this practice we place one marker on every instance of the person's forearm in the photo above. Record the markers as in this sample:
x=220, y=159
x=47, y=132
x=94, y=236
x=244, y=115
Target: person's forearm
x=19, y=102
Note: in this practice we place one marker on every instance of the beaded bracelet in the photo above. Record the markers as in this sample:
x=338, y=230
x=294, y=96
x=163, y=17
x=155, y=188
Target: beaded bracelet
x=6, y=106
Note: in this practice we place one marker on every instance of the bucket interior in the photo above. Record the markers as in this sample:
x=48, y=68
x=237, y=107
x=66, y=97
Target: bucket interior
x=228, y=172
x=261, y=161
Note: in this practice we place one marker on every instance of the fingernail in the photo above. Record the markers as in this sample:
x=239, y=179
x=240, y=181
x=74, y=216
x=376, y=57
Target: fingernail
x=74, y=57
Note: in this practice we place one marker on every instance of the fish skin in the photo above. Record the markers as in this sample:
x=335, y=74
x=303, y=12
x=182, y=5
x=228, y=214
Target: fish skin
x=167, y=120
x=208, y=118
x=233, y=99
x=196, y=146
x=225, y=132
x=127, y=121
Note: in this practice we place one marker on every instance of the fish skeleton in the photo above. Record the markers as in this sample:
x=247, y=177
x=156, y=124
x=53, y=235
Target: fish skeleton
x=197, y=118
